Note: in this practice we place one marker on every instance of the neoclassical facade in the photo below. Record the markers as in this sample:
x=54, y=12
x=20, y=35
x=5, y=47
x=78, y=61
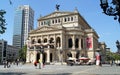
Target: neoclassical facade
x=61, y=35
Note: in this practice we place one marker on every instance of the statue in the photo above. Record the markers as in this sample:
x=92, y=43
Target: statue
x=118, y=46
x=57, y=7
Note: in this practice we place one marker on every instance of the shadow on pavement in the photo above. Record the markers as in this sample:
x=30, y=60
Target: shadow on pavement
x=58, y=74
x=12, y=73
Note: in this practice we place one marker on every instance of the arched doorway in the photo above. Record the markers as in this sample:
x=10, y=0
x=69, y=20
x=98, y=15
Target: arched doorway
x=44, y=57
x=58, y=42
x=69, y=54
x=50, y=57
x=70, y=43
x=77, y=54
x=37, y=57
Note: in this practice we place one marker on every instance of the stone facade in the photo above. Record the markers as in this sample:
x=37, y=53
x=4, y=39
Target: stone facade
x=61, y=35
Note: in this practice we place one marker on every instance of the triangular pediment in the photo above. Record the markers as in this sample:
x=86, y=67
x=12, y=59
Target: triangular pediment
x=46, y=28
x=56, y=14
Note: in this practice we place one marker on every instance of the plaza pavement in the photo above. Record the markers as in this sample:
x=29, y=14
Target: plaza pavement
x=29, y=69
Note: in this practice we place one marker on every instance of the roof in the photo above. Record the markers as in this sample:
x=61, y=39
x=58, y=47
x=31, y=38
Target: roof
x=56, y=14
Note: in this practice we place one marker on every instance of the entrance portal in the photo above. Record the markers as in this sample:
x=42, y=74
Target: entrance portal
x=38, y=57
x=51, y=57
x=44, y=57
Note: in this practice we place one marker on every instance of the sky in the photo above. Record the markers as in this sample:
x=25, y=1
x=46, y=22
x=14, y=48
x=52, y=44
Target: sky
x=106, y=27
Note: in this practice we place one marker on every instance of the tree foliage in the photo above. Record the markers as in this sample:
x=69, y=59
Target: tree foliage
x=116, y=56
x=112, y=56
x=22, y=53
x=2, y=22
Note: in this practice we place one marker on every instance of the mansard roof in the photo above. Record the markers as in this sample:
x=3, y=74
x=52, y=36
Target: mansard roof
x=57, y=14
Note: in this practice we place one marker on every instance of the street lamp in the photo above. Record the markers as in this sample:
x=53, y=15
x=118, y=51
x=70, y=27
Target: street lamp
x=113, y=10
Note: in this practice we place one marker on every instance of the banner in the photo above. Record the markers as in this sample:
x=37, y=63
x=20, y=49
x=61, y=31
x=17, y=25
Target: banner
x=89, y=42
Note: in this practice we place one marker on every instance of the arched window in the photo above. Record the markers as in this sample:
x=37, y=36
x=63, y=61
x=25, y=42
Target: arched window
x=56, y=21
x=45, y=40
x=51, y=40
x=65, y=19
x=76, y=43
x=68, y=18
x=52, y=21
x=58, y=42
x=41, y=23
x=33, y=41
x=70, y=43
x=39, y=40
x=71, y=18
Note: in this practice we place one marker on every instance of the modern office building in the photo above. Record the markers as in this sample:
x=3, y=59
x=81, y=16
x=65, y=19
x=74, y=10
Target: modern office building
x=23, y=23
x=3, y=50
x=12, y=52
x=8, y=52
x=61, y=35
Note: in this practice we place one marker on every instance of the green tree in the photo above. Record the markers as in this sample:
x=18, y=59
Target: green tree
x=2, y=22
x=22, y=53
x=116, y=56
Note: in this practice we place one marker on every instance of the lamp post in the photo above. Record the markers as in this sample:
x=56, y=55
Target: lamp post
x=111, y=10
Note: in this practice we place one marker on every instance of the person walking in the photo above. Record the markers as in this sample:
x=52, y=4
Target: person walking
x=111, y=62
x=5, y=63
x=43, y=64
x=40, y=63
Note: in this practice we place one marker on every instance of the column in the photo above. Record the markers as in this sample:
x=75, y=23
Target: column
x=28, y=56
x=80, y=43
x=28, y=53
x=73, y=40
x=48, y=56
x=66, y=41
x=34, y=57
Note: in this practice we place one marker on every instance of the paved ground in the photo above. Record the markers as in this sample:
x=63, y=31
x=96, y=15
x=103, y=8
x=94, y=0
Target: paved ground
x=29, y=69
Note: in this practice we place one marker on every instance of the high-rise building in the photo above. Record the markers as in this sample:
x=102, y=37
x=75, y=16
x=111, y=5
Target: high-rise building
x=23, y=23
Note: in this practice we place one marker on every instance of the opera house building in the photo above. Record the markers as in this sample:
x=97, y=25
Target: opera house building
x=61, y=35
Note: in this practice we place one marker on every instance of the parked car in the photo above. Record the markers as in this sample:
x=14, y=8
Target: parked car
x=72, y=61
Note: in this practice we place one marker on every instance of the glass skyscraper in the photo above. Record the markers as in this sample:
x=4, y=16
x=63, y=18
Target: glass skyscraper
x=23, y=23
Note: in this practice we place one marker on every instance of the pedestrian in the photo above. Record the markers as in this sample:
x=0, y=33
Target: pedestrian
x=43, y=64
x=35, y=64
x=17, y=61
x=100, y=60
x=111, y=62
x=5, y=63
x=40, y=63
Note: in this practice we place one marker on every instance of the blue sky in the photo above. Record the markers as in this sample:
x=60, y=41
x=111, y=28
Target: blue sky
x=106, y=27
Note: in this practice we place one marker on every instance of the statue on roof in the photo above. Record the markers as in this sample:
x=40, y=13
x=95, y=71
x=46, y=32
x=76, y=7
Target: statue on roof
x=57, y=7
x=118, y=46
